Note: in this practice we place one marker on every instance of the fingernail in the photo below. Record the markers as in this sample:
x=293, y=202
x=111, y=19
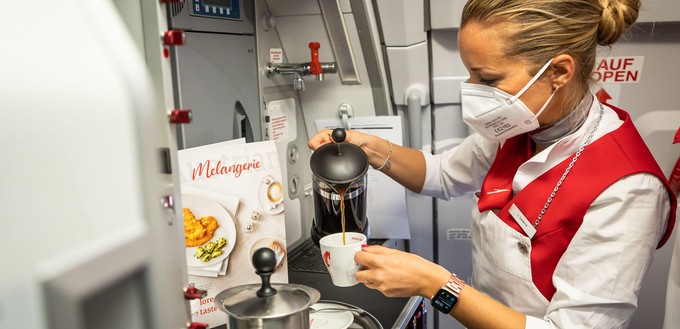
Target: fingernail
x=364, y=246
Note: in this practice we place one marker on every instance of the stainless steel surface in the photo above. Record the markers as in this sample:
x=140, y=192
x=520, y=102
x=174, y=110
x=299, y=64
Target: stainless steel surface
x=301, y=69
x=287, y=309
x=362, y=319
x=313, y=310
x=298, y=70
x=407, y=312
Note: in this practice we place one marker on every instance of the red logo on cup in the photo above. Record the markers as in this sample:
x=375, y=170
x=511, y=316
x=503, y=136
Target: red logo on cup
x=326, y=258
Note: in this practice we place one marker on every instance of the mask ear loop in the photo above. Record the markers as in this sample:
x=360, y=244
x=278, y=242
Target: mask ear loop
x=531, y=82
x=546, y=102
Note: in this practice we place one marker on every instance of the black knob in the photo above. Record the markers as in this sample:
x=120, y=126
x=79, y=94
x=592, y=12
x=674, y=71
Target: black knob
x=338, y=135
x=264, y=261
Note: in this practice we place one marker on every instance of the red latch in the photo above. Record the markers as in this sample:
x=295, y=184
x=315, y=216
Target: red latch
x=198, y=325
x=179, y=116
x=192, y=292
x=174, y=38
x=314, y=65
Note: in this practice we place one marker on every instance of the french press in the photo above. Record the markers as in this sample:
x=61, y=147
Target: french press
x=339, y=177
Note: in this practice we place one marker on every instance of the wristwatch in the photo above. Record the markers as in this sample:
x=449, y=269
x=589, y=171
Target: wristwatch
x=447, y=297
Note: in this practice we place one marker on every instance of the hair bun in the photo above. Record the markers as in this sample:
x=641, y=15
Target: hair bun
x=617, y=17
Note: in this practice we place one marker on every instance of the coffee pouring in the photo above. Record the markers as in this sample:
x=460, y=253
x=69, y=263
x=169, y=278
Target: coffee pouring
x=340, y=182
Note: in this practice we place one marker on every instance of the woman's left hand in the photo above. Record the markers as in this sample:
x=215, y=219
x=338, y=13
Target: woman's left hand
x=399, y=274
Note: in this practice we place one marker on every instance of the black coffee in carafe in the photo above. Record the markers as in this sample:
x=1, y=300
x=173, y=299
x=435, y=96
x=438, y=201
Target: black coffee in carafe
x=339, y=181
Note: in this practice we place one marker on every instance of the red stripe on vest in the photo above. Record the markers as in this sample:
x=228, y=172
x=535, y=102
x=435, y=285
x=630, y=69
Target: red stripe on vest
x=603, y=162
x=497, y=186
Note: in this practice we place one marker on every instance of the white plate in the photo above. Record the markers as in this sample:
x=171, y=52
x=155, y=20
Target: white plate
x=330, y=319
x=262, y=196
x=203, y=206
x=264, y=242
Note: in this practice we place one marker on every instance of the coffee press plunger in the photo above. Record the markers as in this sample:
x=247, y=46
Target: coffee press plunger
x=339, y=169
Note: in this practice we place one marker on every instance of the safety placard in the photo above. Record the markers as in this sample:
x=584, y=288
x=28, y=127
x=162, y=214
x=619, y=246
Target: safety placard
x=624, y=69
x=282, y=125
x=275, y=55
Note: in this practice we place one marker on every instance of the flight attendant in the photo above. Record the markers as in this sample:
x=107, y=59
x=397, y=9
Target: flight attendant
x=570, y=202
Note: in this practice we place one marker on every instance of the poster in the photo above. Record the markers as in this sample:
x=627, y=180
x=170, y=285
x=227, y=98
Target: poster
x=237, y=186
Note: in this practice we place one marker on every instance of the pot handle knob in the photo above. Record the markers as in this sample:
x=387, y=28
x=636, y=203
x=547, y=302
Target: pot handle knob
x=338, y=135
x=264, y=261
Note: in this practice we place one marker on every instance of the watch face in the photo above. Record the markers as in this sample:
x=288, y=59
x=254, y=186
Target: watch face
x=444, y=301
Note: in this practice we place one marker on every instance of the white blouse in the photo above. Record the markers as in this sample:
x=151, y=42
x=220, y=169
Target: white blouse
x=604, y=293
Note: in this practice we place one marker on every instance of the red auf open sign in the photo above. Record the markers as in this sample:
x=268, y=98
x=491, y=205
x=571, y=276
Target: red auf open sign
x=626, y=69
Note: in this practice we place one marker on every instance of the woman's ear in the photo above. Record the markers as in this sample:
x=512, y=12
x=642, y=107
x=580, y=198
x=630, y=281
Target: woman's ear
x=563, y=68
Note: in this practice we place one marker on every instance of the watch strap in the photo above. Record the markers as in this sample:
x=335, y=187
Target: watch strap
x=454, y=285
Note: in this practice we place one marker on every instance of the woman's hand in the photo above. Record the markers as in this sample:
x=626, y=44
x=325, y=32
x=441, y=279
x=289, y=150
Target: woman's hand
x=407, y=166
x=324, y=137
x=399, y=274
x=321, y=138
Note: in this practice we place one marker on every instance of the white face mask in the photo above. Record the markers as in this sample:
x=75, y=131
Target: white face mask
x=497, y=115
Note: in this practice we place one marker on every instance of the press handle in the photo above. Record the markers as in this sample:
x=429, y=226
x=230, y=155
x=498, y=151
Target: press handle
x=338, y=135
x=264, y=261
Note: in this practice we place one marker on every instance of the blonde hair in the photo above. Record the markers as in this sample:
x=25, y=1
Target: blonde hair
x=543, y=29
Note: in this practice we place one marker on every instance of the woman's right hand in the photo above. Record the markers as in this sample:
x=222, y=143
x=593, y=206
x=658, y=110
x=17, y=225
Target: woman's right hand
x=397, y=273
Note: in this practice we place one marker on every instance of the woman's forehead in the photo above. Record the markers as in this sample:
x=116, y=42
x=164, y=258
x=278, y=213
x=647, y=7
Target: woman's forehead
x=484, y=45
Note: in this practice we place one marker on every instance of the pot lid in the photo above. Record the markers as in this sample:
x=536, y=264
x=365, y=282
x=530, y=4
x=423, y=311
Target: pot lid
x=243, y=302
x=339, y=162
x=265, y=301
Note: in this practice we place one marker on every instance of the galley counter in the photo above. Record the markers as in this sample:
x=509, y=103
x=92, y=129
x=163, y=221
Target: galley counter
x=305, y=266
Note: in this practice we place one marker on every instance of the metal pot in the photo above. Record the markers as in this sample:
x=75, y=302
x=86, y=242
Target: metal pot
x=266, y=305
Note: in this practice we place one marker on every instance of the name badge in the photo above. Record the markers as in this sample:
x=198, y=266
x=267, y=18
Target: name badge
x=522, y=220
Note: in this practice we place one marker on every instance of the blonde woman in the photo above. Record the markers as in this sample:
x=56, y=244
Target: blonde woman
x=571, y=204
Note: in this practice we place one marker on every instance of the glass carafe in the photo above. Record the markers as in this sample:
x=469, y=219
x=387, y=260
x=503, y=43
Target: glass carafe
x=339, y=176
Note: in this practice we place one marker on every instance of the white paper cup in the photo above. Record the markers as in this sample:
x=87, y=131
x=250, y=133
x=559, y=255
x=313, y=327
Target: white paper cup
x=339, y=258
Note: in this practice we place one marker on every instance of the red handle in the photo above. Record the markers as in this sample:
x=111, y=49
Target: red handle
x=198, y=325
x=194, y=293
x=314, y=65
x=174, y=38
x=179, y=116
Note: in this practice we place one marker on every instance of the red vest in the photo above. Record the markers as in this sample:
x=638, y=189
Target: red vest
x=604, y=161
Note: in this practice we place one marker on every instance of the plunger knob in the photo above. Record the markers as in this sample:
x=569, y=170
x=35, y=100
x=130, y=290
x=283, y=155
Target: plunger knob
x=338, y=135
x=264, y=261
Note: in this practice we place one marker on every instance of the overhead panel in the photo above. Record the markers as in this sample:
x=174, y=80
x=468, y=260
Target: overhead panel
x=342, y=48
x=403, y=22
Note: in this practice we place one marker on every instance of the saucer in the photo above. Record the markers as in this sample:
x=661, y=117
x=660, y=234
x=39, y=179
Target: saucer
x=330, y=319
x=267, y=205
